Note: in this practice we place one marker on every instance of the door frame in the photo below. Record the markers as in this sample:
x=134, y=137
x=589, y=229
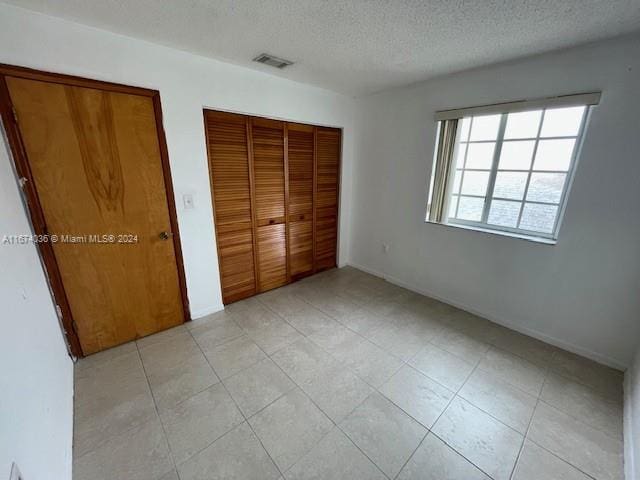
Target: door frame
x=25, y=181
x=249, y=117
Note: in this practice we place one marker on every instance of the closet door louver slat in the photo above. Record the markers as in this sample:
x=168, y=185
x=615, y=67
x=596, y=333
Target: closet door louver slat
x=275, y=197
x=229, y=168
x=268, y=168
x=326, y=201
x=300, y=162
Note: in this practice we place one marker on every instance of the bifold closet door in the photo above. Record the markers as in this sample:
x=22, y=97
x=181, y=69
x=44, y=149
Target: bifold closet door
x=228, y=148
x=269, y=198
x=326, y=197
x=300, y=164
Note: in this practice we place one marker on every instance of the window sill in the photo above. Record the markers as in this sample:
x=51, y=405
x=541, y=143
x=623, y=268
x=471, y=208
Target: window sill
x=519, y=236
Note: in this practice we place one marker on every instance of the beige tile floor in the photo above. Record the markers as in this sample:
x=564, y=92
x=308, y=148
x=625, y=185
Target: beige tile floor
x=345, y=376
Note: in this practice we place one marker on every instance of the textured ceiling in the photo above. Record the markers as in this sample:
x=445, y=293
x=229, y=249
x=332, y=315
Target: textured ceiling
x=357, y=46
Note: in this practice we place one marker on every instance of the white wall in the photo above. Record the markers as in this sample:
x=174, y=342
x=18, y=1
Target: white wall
x=582, y=293
x=632, y=419
x=36, y=381
x=187, y=83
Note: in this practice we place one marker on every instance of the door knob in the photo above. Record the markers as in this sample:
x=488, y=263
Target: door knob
x=165, y=235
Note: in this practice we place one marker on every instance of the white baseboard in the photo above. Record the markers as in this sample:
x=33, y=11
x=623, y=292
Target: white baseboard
x=603, y=359
x=203, y=312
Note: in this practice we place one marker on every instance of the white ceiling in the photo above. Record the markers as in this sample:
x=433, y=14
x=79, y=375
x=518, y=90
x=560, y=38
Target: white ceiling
x=357, y=46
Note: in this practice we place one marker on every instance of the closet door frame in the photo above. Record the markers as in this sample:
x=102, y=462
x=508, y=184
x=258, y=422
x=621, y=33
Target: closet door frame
x=27, y=184
x=254, y=219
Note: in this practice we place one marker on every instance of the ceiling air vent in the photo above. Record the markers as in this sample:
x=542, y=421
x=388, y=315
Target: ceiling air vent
x=272, y=61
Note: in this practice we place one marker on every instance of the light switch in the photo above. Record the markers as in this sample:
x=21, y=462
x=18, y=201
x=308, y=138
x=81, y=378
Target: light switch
x=187, y=199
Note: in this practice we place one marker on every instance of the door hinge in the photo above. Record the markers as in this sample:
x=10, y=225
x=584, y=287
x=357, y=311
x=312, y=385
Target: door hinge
x=15, y=114
x=22, y=181
x=59, y=311
x=74, y=325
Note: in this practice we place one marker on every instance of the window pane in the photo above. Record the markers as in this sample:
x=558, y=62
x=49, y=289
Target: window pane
x=504, y=213
x=475, y=183
x=480, y=155
x=470, y=208
x=562, y=122
x=554, y=155
x=485, y=128
x=523, y=124
x=464, y=129
x=456, y=182
x=546, y=187
x=453, y=204
x=539, y=218
x=516, y=155
x=510, y=185
x=460, y=152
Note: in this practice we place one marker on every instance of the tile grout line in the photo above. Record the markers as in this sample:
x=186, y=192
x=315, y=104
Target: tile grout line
x=540, y=400
x=555, y=454
x=246, y=420
x=359, y=449
x=492, y=344
x=453, y=326
x=155, y=404
x=549, y=369
x=526, y=434
x=282, y=370
x=104, y=441
x=336, y=425
x=576, y=419
x=376, y=389
x=562, y=459
x=430, y=430
x=364, y=339
x=413, y=452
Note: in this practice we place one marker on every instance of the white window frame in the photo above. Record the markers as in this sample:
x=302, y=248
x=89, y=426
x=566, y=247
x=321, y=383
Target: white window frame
x=586, y=100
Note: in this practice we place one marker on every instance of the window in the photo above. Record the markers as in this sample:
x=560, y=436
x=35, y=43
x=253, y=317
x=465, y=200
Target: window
x=507, y=168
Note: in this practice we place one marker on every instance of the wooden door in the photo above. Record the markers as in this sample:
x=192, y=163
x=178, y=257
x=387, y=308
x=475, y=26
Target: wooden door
x=270, y=209
x=95, y=159
x=326, y=204
x=300, y=164
x=228, y=149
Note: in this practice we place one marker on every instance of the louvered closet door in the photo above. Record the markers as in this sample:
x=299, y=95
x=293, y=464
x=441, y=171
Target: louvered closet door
x=300, y=164
x=229, y=169
x=269, y=194
x=326, y=206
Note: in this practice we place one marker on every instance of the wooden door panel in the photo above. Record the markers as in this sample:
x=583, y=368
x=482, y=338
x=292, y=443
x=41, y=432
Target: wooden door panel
x=229, y=170
x=95, y=158
x=300, y=170
x=272, y=256
x=236, y=264
x=300, y=248
x=300, y=163
x=268, y=167
x=326, y=239
x=269, y=181
x=326, y=204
